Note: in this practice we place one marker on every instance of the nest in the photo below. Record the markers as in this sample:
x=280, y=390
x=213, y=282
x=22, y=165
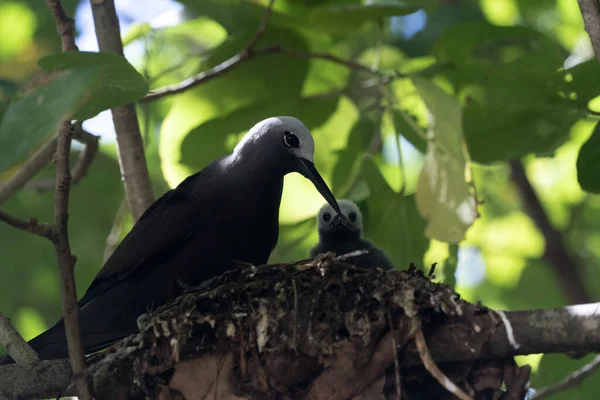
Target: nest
x=319, y=329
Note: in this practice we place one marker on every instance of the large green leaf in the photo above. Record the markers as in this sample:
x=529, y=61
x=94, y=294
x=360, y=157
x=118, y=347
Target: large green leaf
x=588, y=163
x=393, y=222
x=348, y=18
x=36, y=115
x=120, y=83
x=515, y=97
x=443, y=196
x=485, y=44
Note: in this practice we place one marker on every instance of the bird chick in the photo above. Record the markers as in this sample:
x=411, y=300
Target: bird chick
x=342, y=234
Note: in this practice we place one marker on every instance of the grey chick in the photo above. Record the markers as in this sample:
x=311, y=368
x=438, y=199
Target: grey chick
x=344, y=235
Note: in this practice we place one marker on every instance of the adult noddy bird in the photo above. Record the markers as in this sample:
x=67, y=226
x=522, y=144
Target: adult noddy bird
x=341, y=233
x=227, y=212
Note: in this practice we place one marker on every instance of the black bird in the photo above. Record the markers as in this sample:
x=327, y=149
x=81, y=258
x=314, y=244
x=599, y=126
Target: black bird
x=225, y=213
x=342, y=234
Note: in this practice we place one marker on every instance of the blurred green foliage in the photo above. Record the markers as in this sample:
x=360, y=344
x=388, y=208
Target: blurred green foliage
x=486, y=81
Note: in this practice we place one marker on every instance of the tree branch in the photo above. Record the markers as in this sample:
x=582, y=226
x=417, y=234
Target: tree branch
x=566, y=267
x=31, y=226
x=60, y=234
x=558, y=330
x=247, y=53
x=134, y=170
x=590, y=11
x=15, y=345
x=22, y=177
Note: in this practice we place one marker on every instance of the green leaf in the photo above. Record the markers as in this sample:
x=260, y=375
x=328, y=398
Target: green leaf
x=516, y=99
x=588, y=163
x=348, y=165
x=485, y=44
x=349, y=17
x=408, y=128
x=392, y=220
x=120, y=84
x=443, y=196
x=35, y=116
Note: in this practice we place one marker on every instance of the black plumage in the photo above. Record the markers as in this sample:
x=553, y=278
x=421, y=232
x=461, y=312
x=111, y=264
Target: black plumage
x=227, y=212
x=342, y=234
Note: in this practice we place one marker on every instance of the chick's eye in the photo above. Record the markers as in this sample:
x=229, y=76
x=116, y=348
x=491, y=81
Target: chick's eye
x=326, y=217
x=290, y=139
x=352, y=217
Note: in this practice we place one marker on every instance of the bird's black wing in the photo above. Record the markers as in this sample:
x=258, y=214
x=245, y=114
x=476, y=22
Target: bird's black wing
x=167, y=223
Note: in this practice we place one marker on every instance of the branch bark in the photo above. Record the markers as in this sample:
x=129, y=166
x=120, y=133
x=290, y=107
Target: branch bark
x=15, y=345
x=590, y=11
x=558, y=330
x=567, y=268
x=132, y=160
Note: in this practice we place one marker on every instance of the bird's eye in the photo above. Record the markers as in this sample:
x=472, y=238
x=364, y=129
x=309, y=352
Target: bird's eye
x=326, y=217
x=291, y=140
x=352, y=217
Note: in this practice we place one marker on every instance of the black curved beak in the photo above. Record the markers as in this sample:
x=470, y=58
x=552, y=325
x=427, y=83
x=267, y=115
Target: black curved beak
x=340, y=222
x=310, y=172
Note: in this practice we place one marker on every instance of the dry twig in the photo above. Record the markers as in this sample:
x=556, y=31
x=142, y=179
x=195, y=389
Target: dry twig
x=432, y=367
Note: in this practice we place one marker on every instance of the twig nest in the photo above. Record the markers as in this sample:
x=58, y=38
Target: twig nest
x=314, y=329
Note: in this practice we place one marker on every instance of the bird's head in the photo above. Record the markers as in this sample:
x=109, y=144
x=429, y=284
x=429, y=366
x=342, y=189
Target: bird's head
x=347, y=224
x=286, y=145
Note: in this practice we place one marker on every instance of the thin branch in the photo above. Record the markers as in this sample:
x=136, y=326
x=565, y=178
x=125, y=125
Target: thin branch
x=66, y=261
x=572, y=380
x=15, y=345
x=28, y=170
x=21, y=178
x=261, y=29
x=248, y=52
x=432, y=367
x=64, y=25
x=60, y=233
x=31, y=226
x=87, y=155
x=590, y=11
x=566, y=267
x=132, y=160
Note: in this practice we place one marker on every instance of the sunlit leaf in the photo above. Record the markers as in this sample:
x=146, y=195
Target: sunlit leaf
x=443, y=195
x=120, y=83
x=348, y=166
x=36, y=115
x=588, y=163
x=392, y=220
